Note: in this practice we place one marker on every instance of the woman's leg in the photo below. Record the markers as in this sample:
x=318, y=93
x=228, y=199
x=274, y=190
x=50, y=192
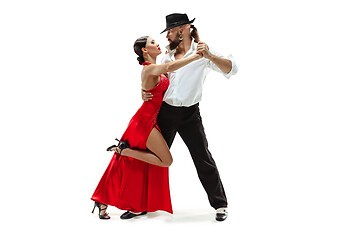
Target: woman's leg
x=158, y=146
x=158, y=153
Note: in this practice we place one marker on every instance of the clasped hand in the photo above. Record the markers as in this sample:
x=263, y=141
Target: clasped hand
x=203, y=50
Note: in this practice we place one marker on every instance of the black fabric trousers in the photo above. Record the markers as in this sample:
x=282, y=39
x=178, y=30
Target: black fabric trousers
x=187, y=122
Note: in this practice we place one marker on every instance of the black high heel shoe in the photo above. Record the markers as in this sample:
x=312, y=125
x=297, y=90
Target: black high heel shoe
x=120, y=147
x=103, y=216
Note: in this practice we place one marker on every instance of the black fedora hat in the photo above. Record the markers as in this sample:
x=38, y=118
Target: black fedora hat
x=176, y=19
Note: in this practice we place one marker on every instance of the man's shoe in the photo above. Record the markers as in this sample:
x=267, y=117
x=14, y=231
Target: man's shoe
x=128, y=215
x=221, y=214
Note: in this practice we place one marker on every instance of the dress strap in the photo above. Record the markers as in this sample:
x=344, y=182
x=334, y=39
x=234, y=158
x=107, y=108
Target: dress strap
x=145, y=63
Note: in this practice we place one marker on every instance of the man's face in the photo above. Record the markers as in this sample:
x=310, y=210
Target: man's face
x=173, y=37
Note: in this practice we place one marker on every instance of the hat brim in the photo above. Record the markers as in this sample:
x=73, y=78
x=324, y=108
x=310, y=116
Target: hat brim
x=178, y=24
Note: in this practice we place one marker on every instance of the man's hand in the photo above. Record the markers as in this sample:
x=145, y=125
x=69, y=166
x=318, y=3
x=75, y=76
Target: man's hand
x=223, y=64
x=203, y=49
x=146, y=96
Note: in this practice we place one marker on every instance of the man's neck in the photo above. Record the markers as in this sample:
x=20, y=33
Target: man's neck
x=184, y=46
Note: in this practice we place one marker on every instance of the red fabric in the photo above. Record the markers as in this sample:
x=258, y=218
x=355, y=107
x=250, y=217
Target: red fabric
x=131, y=184
x=145, y=63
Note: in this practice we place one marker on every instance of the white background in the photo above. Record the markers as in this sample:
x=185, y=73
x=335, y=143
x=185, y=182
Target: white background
x=284, y=131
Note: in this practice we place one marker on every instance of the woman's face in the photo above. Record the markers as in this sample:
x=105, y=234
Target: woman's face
x=152, y=47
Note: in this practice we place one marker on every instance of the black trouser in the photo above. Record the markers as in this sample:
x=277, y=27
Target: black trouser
x=187, y=122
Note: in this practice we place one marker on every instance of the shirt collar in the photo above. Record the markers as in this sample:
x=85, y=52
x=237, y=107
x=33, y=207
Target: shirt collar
x=192, y=48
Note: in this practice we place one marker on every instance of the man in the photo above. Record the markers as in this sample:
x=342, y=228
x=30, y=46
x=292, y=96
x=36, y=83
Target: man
x=180, y=109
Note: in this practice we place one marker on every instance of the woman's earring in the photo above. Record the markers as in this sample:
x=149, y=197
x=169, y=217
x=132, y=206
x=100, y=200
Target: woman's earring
x=180, y=37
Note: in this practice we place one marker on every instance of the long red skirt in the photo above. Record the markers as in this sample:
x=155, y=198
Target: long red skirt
x=131, y=184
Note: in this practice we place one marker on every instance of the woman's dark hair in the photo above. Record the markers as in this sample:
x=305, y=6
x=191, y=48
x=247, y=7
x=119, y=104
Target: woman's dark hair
x=138, y=45
x=195, y=34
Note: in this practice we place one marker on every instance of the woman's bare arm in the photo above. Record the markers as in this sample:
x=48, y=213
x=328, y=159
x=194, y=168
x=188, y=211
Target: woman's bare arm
x=156, y=70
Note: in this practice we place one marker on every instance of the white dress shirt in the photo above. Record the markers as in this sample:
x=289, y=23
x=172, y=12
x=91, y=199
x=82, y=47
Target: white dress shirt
x=186, y=83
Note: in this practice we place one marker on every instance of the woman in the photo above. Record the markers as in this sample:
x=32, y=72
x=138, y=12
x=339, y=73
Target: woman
x=137, y=177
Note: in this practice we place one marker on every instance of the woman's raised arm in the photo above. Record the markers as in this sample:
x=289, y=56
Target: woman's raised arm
x=156, y=70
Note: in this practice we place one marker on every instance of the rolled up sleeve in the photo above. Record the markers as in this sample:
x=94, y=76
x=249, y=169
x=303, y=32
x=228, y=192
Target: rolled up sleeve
x=234, y=67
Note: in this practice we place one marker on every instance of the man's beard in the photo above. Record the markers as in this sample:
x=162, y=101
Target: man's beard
x=175, y=43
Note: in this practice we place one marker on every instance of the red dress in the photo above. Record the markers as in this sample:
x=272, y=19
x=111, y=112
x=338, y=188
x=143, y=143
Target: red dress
x=131, y=184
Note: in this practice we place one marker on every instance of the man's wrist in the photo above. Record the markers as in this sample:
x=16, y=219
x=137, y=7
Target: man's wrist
x=211, y=57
